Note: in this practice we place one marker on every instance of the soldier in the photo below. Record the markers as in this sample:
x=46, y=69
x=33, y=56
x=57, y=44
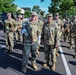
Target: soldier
x=60, y=28
x=40, y=25
x=66, y=29
x=10, y=26
x=19, y=28
x=73, y=33
x=50, y=41
x=30, y=43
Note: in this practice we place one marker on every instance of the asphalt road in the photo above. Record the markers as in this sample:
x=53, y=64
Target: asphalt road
x=10, y=64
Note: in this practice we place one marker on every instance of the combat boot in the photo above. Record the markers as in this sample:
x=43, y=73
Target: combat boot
x=37, y=52
x=11, y=49
x=70, y=47
x=74, y=56
x=34, y=66
x=57, y=54
x=53, y=66
x=24, y=69
x=46, y=64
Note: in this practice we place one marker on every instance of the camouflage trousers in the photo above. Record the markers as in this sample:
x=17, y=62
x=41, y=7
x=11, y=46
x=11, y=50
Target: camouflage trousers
x=71, y=41
x=9, y=40
x=26, y=52
x=50, y=50
x=18, y=34
x=75, y=43
x=66, y=35
x=59, y=35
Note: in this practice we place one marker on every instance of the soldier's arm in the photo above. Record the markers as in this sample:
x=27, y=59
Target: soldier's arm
x=56, y=36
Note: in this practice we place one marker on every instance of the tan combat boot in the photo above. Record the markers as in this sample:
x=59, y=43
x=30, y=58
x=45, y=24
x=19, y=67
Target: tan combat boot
x=57, y=54
x=53, y=66
x=24, y=69
x=46, y=64
x=37, y=52
x=11, y=49
x=70, y=47
x=34, y=66
x=74, y=56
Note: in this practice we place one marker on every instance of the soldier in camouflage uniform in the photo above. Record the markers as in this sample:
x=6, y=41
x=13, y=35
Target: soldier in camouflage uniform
x=66, y=29
x=40, y=25
x=19, y=28
x=60, y=28
x=10, y=26
x=50, y=41
x=73, y=32
x=30, y=43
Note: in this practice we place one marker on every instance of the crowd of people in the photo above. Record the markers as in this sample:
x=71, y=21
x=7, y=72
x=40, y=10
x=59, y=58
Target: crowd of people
x=34, y=32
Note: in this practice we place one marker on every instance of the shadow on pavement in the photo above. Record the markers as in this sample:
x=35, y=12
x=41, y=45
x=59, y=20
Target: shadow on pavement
x=64, y=46
x=43, y=71
x=2, y=42
x=72, y=62
x=67, y=54
x=10, y=60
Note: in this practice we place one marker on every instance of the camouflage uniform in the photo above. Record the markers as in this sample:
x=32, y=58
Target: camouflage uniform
x=40, y=26
x=60, y=29
x=19, y=28
x=66, y=29
x=10, y=26
x=30, y=44
x=73, y=33
x=50, y=41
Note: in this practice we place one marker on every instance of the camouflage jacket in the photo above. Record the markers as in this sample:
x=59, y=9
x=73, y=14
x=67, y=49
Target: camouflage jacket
x=10, y=25
x=50, y=33
x=73, y=28
x=60, y=24
x=32, y=29
x=40, y=26
x=19, y=25
x=67, y=27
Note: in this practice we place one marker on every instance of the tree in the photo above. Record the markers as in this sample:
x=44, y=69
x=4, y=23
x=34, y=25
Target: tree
x=18, y=11
x=64, y=7
x=36, y=9
x=7, y=6
x=27, y=13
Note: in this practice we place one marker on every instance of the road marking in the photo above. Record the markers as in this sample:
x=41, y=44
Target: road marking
x=65, y=62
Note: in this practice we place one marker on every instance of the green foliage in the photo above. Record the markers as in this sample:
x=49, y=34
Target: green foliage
x=18, y=11
x=36, y=9
x=27, y=13
x=7, y=6
x=64, y=7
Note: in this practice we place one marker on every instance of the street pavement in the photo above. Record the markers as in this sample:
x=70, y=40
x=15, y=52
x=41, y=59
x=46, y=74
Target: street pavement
x=10, y=63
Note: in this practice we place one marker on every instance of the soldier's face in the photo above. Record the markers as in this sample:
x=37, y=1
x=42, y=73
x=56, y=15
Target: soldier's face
x=8, y=16
x=36, y=17
x=56, y=16
x=19, y=18
x=49, y=18
x=33, y=17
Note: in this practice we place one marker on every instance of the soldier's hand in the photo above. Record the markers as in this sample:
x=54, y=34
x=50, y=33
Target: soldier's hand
x=56, y=46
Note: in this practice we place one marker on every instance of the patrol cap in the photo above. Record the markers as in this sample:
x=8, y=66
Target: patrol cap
x=57, y=14
x=34, y=13
x=20, y=16
x=49, y=15
x=8, y=14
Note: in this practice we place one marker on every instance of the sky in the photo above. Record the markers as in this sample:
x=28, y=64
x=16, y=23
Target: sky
x=30, y=3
